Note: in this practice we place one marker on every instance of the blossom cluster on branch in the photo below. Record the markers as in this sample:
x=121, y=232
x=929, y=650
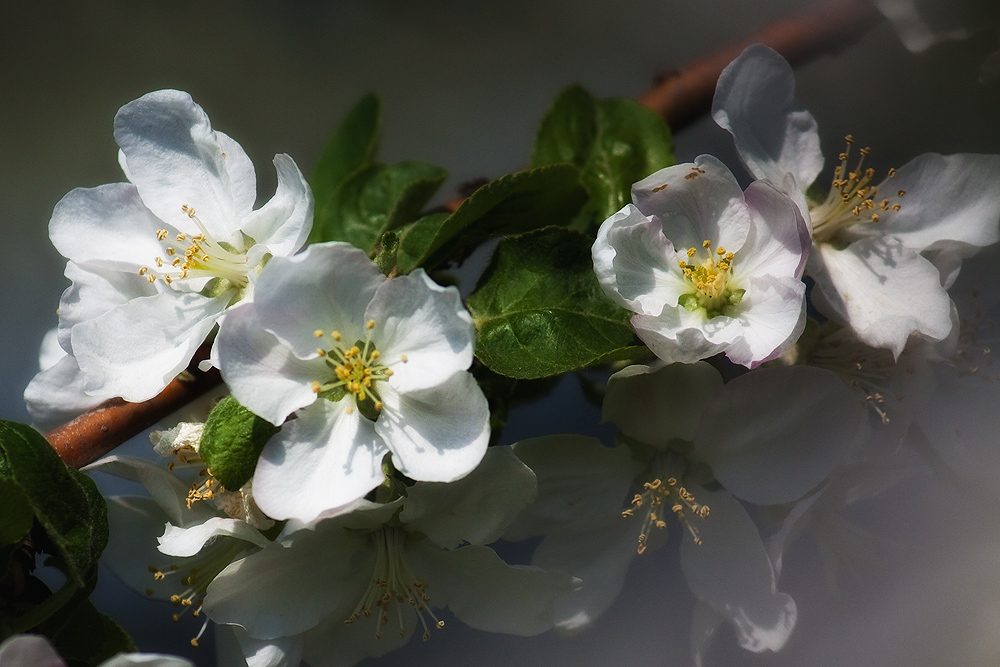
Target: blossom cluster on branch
x=770, y=352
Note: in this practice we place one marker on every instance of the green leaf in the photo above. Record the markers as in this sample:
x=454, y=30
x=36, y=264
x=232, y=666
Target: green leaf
x=232, y=442
x=539, y=310
x=615, y=143
x=512, y=204
x=374, y=200
x=70, y=511
x=88, y=637
x=16, y=518
x=352, y=146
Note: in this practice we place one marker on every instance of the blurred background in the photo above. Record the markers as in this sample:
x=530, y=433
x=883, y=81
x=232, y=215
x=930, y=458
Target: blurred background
x=463, y=85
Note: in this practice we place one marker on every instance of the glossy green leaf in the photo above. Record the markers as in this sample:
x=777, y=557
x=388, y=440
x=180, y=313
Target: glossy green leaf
x=63, y=500
x=374, y=200
x=232, y=442
x=352, y=146
x=16, y=518
x=512, y=204
x=615, y=143
x=539, y=310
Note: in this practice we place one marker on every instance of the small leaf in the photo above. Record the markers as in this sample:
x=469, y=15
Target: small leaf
x=374, y=200
x=512, y=204
x=69, y=509
x=352, y=146
x=615, y=143
x=539, y=310
x=232, y=442
x=88, y=637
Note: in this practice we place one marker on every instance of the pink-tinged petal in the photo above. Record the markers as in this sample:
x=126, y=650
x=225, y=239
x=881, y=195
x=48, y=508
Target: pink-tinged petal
x=417, y=319
x=322, y=574
x=578, y=478
x=730, y=572
x=185, y=542
x=95, y=292
x=263, y=374
x=319, y=463
x=772, y=435
x=882, y=290
x=658, y=404
x=175, y=159
x=107, y=227
x=681, y=336
x=695, y=202
x=327, y=287
x=642, y=272
x=487, y=594
x=779, y=240
x=281, y=226
x=948, y=199
x=437, y=434
x=29, y=651
x=773, y=314
x=136, y=349
x=474, y=509
x=755, y=102
x=55, y=396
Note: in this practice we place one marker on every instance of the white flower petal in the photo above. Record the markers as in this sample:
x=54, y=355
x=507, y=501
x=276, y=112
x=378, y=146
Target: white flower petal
x=680, y=336
x=55, y=396
x=417, y=318
x=175, y=159
x=235, y=648
x=134, y=524
x=323, y=574
x=635, y=263
x=327, y=287
x=487, y=594
x=693, y=209
x=136, y=349
x=731, y=573
x=773, y=314
x=333, y=644
x=779, y=239
x=146, y=660
x=319, y=463
x=772, y=435
x=107, y=227
x=438, y=434
x=29, y=651
x=242, y=175
x=657, y=404
x=881, y=290
x=755, y=102
x=282, y=224
x=949, y=198
x=185, y=542
x=93, y=293
x=578, y=478
x=474, y=509
x=263, y=375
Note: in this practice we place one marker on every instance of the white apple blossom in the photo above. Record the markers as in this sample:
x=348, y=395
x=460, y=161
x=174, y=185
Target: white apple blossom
x=368, y=365
x=767, y=437
x=358, y=584
x=883, y=253
x=156, y=262
x=706, y=267
x=36, y=651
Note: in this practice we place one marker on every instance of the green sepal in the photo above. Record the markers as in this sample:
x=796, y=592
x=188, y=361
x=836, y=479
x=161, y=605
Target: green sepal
x=539, y=310
x=512, y=204
x=614, y=142
x=689, y=302
x=65, y=502
x=232, y=442
x=735, y=296
x=352, y=146
x=374, y=200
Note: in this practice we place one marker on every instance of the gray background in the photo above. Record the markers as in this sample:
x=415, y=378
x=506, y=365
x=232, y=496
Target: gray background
x=463, y=85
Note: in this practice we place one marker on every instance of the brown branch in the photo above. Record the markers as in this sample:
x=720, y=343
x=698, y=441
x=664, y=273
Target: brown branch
x=680, y=97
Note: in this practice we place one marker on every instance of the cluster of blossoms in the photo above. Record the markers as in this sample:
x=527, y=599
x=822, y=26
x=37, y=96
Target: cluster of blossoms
x=371, y=506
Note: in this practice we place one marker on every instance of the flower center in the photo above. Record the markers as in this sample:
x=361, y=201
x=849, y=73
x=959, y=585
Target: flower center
x=851, y=200
x=357, y=370
x=710, y=280
x=193, y=578
x=198, y=256
x=664, y=491
x=392, y=585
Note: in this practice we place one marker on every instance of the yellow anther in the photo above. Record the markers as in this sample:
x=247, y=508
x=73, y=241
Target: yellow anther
x=143, y=271
x=181, y=237
x=691, y=252
x=378, y=406
x=896, y=207
x=901, y=193
x=320, y=351
x=892, y=172
x=370, y=324
x=316, y=387
x=335, y=335
x=151, y=278
x=874, y=217
x=318, y=333
x=706, y=244
x=374, y=355
x=403, y=358
x=161, y=234
x=720, y=251
x=849, y=139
